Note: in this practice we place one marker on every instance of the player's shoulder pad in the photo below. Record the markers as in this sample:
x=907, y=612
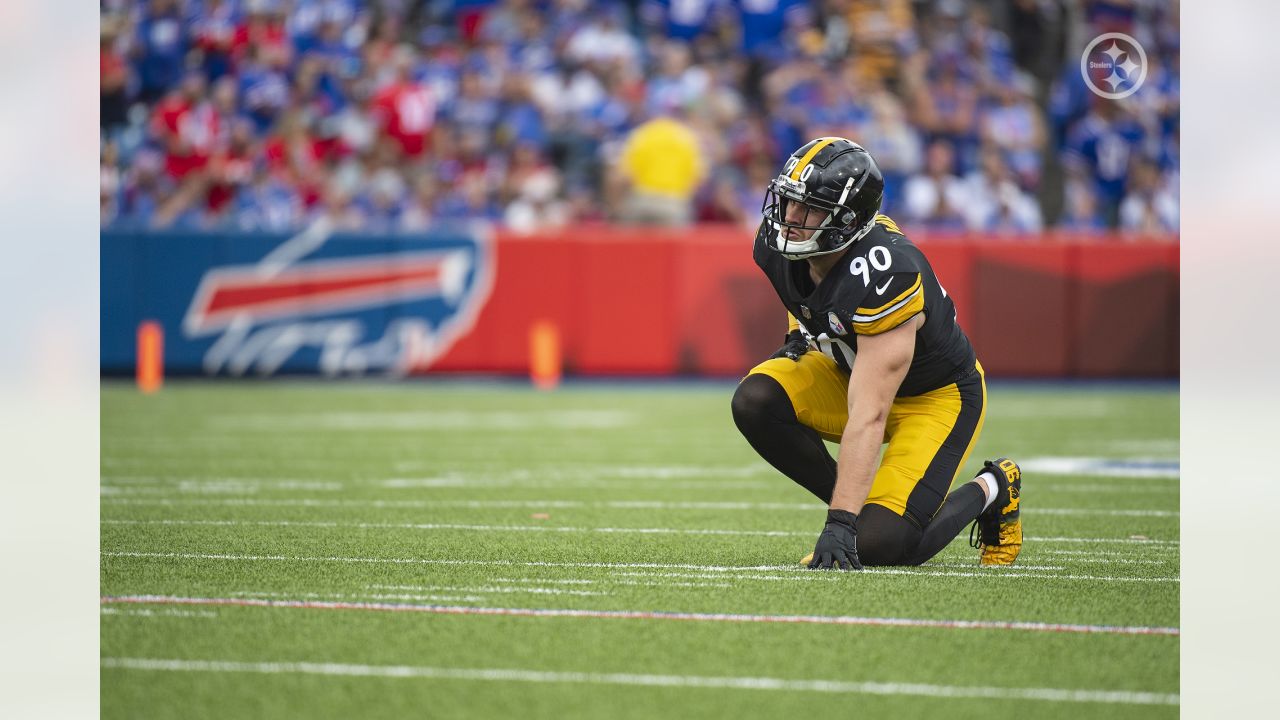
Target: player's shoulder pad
x=891, y=299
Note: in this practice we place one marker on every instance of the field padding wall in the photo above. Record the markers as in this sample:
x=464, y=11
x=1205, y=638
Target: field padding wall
x=625, y=301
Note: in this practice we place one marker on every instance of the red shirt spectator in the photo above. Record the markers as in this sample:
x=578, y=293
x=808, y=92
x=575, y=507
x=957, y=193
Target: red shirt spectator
x=266, y=31
x=229, y=169
x=406, y=112
x=187, y=127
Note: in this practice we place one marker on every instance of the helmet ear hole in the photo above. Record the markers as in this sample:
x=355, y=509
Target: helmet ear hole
x=846, y=218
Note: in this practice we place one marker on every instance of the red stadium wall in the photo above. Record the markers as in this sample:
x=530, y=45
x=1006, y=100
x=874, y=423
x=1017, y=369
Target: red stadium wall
x=656, y=302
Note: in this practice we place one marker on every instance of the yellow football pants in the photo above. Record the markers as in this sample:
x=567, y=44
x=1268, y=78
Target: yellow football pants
x=929, y=436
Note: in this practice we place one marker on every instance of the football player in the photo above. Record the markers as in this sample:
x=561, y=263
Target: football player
x=873, y=355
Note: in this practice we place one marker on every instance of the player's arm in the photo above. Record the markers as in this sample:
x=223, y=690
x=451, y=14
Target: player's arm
x=885, y=322
x=883, y=361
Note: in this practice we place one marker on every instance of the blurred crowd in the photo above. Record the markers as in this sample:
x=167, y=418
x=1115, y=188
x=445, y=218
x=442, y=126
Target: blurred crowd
x=396, y=114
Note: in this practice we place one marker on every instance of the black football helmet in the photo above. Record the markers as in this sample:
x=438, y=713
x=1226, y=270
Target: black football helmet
x=830, y=186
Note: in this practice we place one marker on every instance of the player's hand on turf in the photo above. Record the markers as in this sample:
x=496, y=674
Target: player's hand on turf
x=795, y=346
x=838, y=544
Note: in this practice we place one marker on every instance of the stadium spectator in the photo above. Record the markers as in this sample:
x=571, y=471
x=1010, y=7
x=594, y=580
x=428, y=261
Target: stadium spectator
x=160, y=49
x=1081, y=212
x=113, y=74
x=880, y=32
x=247, y=102
x=663, y=165
x=404, y=109
x=937, y=198
x=993, y=201
x=946, y=107
x=1148, y=207
x=1099, y=148
x=1012, y=123
x=109, y=183
x=186, y=125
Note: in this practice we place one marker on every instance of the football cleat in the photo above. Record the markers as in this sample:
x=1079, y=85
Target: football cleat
x=807, y=559
x=999, y=527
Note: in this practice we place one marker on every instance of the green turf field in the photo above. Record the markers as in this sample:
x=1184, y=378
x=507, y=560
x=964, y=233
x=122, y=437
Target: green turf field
x=470, y=550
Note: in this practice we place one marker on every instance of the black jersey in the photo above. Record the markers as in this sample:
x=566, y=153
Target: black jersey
x=882, y=281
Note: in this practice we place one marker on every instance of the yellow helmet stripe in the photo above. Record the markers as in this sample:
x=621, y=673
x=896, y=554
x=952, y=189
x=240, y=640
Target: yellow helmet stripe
x=808, y=157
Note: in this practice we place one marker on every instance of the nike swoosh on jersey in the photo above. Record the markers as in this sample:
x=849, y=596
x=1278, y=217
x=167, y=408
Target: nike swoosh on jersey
x=881, y=288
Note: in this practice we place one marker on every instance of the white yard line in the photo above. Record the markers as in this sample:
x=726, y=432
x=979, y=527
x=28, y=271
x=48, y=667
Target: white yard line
x=1033, y=510
x=1134, y=540
x=642, y=615
x=486, y=589
x=812, y=507
x=532, y=528
x=1126, y=468
x=446, y=420
x=458, y=526
x=460, y=481
x=1113, y=697
x=1121, y=488
x=988, y=573
x=162, y=612
x=1102, y=553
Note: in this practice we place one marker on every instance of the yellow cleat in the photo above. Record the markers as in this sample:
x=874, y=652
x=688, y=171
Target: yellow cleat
x=807, y=559
x=1000, y=525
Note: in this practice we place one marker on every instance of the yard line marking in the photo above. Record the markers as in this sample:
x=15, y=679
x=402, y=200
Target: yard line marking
x=554, y=528
x=430, y=598
x=1072, y=487
x=1103, y=553
x=544, y=581
x=552, y=483
x=651, y=583
x=447, y=420
x=647, y=615
x=458, y=526
x=614, y=504
x=723, y=571
x=1111, y=513
x=486, y=589
x=1128, y=468
x=166, y=612
x=1105, y=560
x=1111, y=697
x=1128, y=540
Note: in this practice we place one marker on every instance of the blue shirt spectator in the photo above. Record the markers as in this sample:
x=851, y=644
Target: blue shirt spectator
x=162, y=45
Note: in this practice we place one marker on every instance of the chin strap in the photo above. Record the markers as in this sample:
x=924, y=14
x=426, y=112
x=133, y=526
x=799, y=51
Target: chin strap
x=853, y=238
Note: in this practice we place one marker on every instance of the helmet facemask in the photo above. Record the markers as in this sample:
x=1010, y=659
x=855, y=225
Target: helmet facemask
x=830, y=224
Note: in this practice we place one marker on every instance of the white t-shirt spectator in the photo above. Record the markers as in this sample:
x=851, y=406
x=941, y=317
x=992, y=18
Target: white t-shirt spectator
x=940, y=200
x=1000, y=206
x=1152, y=212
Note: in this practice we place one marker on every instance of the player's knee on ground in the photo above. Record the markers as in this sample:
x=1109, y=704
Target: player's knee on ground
x=760, y=402
x=885, y=537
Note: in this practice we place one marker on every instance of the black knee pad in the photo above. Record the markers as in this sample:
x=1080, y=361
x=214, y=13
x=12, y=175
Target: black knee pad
x=885, y=537
x=759, y=401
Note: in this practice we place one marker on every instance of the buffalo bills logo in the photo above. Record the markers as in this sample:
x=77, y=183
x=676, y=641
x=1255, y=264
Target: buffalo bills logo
x=342, y=304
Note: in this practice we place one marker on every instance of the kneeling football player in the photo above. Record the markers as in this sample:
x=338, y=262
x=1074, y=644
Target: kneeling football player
x=873, y=355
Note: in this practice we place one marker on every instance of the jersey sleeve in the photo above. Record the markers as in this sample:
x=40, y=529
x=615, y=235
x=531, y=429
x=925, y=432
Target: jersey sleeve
x=890, y=300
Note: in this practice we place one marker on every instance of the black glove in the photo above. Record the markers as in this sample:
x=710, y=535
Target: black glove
x=796, y=345
x=838, y=544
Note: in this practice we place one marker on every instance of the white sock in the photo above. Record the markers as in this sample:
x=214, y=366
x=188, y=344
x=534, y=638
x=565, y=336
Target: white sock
x=992, y=488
